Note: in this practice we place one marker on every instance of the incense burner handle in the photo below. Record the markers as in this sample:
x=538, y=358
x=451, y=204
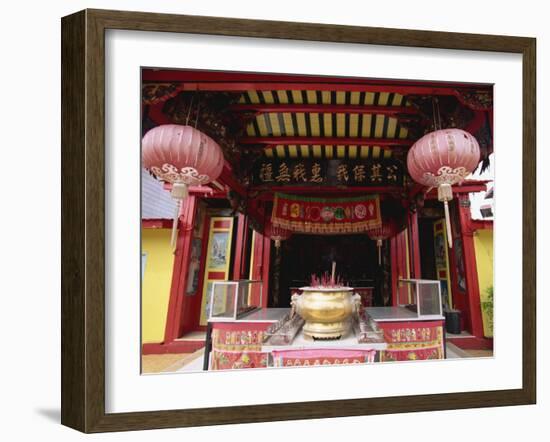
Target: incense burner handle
x=295, y=302
x=356, y=300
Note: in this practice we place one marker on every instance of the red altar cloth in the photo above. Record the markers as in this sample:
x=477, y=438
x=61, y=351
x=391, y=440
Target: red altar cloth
x=302, y=358
x=238, y=345
x=417, y=352
x=412, y=340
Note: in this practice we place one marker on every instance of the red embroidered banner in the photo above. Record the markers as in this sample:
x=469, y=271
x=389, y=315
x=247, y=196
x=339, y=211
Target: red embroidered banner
x=412, y=331
x=412, y=354
x=412, y=340
x=327, y=216
x=238, y=346
x=303, y=358
x=236, y=360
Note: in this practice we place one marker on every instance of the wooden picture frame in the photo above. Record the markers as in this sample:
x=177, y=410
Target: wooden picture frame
x=83, y=220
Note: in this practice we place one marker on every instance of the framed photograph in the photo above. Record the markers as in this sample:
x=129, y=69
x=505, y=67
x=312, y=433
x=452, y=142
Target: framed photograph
x=266, y=221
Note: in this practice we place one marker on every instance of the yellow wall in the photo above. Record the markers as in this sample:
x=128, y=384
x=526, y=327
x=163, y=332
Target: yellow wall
x=157, y=280
x=483, y=241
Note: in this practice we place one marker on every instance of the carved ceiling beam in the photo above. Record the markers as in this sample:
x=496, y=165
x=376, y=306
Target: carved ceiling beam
x=239, y=86
x=384, y=143
x=266, y=193
x=325, y=109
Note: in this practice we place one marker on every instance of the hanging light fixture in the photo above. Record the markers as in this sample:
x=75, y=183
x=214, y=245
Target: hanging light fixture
x=441, y=159
x=379, y=234
x=393, y=215
x=277, y=234
x=182, y=156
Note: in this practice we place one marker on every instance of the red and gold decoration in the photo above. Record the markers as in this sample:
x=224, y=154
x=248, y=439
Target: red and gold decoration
x=412, y=341
x=236, y=346
x=159, y=92
x=393, y=222
x=411, y=353
x=182, y=156
x=277, y=234
x=326, y=216
x=305, y=358
x=328, y=172
x=480, y=100
x=441, y=159
x=379, y=234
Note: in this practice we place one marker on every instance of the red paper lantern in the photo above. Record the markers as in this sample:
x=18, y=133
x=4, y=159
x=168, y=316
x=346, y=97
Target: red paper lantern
x=277, y=234
x=182, y=156
x=393, y=215
x=380, y=234
x=441, y=159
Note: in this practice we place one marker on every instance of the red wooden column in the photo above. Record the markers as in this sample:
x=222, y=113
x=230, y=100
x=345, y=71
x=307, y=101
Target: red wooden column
x=399, y=271
x=414, y=245
x=190, y=319
x=266, y=264
x=181, y=265
x=240, y=247
x=394, y=271
x=470, y=265
x=260, y=268
x=456, y=262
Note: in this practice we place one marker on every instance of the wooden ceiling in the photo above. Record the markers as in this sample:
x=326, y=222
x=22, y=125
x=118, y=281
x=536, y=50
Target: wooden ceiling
x=280, y=116
x=325, y=124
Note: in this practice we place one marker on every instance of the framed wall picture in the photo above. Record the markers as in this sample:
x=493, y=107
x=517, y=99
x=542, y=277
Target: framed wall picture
x=322, y=117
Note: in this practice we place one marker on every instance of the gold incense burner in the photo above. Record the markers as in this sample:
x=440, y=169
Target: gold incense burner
x=326, y=310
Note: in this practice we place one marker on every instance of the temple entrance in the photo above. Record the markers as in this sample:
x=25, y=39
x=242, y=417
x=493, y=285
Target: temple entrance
x=299, y=257
x=315, y=175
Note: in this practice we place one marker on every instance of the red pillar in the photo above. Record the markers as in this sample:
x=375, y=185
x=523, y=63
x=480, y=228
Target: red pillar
x=240, y=247
x=414, y=245
x=181, y=265
x=265, y=269
x=394, y=271
x=260, y=269
x=399, y=267
x=470, y=265
x=190, y=320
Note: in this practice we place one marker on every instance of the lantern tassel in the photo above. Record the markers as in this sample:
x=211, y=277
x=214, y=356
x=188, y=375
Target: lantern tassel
x=179, y=192
x=448, y=224
x=445, y=194
x=379, y=245
x=175, y=225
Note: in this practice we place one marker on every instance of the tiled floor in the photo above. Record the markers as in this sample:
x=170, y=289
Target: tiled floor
x=194, y=365
x=479, y=353
x=463, y=334
x=193, y=336
x=466, y=353
x=193, y=362
x=169, y=363
x=159, y=363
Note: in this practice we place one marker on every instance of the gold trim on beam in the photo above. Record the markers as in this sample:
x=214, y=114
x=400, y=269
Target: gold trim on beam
x=314, y=123
x=392, y=127
x=289, y=128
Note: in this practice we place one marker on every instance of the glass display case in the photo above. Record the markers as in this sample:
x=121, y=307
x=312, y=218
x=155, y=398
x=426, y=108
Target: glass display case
x=231, y=300
x=424, y=296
